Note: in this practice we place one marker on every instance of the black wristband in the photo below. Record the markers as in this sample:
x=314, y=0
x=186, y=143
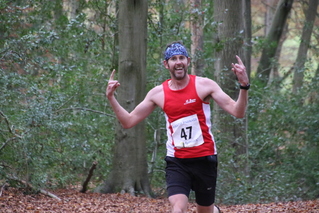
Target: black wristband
x=245, y=87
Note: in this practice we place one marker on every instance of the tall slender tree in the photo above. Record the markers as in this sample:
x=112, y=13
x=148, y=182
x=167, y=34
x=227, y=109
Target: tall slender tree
x=196, y=25
x=269, y=16
x=272, y=40
x=247, y=35
x=229, y=14
x=129, y=172
x=304, y=44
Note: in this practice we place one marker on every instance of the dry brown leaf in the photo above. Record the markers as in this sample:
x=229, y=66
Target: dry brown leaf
x=13, y=200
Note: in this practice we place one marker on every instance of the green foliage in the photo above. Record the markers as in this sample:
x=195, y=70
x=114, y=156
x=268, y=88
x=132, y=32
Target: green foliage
x=55, y=120
x=283, y=150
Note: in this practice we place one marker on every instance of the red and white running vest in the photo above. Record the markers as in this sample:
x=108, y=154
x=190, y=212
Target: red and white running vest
x=188, y=122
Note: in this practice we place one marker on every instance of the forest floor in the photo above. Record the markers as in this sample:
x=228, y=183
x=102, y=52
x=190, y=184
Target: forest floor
x=15, y=200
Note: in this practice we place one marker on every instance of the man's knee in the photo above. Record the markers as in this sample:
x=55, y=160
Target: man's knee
x=179, y=203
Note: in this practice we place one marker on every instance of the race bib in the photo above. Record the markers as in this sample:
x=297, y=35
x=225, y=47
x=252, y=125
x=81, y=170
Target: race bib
x=187, y=132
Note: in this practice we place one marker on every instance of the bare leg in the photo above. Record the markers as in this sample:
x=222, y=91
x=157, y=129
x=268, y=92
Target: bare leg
x=179, y=203
x=207, y=209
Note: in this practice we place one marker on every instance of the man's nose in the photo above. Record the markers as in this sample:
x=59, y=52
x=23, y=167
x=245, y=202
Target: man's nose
x=179, y=61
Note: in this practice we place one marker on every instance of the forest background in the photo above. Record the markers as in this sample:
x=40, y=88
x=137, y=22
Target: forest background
x=56, y=57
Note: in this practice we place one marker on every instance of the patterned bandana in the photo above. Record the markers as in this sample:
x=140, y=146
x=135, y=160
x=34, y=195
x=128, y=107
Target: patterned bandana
x=175, y=49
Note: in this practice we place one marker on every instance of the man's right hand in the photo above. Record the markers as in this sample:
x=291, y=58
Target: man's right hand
x=111, y=86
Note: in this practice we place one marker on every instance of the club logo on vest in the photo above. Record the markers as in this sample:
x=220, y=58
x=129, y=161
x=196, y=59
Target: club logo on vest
x=189, y=101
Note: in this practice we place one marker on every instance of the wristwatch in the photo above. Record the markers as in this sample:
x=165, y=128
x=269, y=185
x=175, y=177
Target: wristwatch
x=244, y=87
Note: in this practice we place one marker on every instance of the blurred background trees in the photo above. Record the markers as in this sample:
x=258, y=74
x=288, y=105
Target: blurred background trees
x=56, y=57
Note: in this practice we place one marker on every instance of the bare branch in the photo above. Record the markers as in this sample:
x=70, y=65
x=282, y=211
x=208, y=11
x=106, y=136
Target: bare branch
x=49, y=194
x=10, y=129
x=42, y=191
x=7, y=141
x=2, y=188
x=7, y=121
x=84, y=109
x=65, y=103
x=86, y=182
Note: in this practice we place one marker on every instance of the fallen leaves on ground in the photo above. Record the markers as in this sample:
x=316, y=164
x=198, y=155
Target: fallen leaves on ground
x=14, y=200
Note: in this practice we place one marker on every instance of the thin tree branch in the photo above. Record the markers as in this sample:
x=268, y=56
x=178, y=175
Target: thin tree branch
x=42, y=191
x=10, y=129
x=84, y=109
x=2, y=188
x=7, y=121
x=86, y=182
x=7, y=141
x=289, y=72
x=65, y=102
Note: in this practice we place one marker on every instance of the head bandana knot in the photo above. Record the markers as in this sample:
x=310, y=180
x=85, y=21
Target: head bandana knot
x=175, y=49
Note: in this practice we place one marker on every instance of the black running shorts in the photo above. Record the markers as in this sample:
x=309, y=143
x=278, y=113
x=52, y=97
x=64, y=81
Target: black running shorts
x=197, y=174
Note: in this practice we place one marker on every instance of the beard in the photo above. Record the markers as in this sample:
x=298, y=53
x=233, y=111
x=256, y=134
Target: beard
x=178, y=74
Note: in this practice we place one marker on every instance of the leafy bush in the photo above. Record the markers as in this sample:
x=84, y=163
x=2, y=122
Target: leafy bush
x=54, y=118
x=282, y=145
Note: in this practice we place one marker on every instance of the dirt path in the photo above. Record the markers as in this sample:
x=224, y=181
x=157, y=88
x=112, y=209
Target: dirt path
x=13, y=200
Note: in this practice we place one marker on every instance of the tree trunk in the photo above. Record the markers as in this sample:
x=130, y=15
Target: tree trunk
x=197, y=19
x=247, y=61
x=270, y=12
x=274, y=74
x=231, y=35
x=129, y=172
x=304, y=45
x=314, y=95
x=71, y=6
x=269, y=16
x=247, y=34
x=272, y=40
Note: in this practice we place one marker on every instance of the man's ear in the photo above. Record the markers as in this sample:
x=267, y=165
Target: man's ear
x=165, y=64
x=188, y=61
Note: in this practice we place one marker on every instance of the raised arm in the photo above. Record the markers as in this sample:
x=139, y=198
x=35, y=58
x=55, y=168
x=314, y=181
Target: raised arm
x=236, y=108
x=127, y=119
x=240, y=71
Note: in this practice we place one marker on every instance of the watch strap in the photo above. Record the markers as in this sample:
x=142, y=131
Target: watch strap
x=245, y=87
